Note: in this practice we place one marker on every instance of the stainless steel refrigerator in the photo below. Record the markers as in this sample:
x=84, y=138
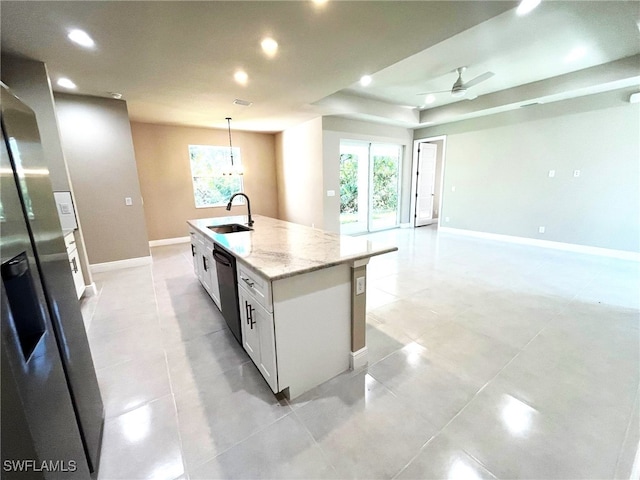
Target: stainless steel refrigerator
x=52, y=411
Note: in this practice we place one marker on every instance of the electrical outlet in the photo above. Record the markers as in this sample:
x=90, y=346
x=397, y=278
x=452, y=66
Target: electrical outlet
x=541, y=229
x=576, y=173
x=128, y=201
x=359, y=285
x=331, y=193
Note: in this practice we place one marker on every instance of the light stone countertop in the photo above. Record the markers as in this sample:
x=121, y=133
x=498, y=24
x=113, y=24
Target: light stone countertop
x=280, y=249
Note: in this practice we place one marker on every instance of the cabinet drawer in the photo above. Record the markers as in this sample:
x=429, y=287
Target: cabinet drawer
x=70, y=242
x=257, y=285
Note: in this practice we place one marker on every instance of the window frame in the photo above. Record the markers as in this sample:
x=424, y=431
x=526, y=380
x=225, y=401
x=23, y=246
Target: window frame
x=218, y=151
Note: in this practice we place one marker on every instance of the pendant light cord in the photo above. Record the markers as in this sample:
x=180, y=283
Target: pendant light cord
x=230, y=146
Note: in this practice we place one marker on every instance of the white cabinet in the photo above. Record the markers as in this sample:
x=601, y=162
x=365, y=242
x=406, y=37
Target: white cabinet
x=210, y=273
x=296, y=329
x=258, y=337
x=204, y=265
x=195, y=252
x=74, y=263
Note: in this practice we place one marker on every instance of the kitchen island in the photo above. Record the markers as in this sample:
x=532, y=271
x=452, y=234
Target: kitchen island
x=301, y=294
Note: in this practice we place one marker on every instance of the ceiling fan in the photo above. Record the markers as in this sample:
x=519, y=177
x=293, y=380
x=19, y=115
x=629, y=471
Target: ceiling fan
x=460, y=87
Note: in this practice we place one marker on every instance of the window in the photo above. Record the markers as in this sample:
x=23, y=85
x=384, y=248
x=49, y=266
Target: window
x=210, y=187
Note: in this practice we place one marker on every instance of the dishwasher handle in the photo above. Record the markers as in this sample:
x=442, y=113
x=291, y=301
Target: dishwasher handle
x=221, y=258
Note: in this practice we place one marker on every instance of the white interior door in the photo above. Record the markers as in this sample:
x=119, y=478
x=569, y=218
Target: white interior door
x=425, y=186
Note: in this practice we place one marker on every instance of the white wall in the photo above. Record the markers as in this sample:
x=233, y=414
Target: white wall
x=499, y=167
x=336, y=129
x=299, y=172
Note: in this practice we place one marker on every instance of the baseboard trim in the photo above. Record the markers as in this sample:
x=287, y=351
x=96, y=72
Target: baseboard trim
x=359, y=359
x=118, y=264
x=571, y=247
x=169, y=241
x=90, y=290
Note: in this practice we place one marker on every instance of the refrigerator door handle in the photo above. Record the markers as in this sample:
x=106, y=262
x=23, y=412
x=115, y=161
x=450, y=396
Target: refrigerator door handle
x=15, y=267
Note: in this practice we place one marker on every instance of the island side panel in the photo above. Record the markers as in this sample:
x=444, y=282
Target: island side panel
x=359, y=357
x=312, y=315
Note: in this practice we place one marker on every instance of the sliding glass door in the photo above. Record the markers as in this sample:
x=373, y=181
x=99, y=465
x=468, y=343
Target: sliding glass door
x=369, y=186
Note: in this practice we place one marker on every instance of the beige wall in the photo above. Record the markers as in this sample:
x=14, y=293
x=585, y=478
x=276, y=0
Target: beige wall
x=499, y=167
x=96, y=140
x=162, y=157
x=300, y=173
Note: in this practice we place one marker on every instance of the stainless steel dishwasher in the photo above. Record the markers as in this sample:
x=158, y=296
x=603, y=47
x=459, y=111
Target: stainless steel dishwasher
x=228, y=282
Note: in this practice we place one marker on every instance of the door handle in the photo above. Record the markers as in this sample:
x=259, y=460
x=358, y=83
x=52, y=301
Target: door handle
x=204, y=262
x=75, y=265
x=193, y=250
x=249, y=309
x=248, y=282
x=220, y=258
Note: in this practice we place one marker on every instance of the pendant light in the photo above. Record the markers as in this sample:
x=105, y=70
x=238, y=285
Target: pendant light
x=233, y=170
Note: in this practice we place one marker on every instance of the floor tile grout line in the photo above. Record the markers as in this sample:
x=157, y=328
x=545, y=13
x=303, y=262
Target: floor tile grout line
x=626, y=437
x=167, y=372
x=466, y=405
x=242, y=440
x=315, y=442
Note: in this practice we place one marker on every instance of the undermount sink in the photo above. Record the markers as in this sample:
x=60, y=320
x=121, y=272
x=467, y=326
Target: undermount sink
x=230, y=228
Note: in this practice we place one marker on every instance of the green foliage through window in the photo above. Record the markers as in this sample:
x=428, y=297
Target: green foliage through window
x=348, y=183
x=385, y=183
x=210, y=187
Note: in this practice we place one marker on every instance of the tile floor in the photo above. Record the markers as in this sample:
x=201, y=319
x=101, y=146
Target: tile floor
x=486, y=360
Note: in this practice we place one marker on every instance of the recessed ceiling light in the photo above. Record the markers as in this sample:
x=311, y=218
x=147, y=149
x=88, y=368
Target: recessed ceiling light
x=365, y=80
x=116, y=95
x=66, y=83
x=429, y=99
x=269, y=46
x=241, y=77
x=575, y=54
x=526, y=6
x=82, y=38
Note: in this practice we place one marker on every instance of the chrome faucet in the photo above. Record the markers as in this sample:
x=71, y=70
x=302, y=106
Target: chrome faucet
x=248, y=205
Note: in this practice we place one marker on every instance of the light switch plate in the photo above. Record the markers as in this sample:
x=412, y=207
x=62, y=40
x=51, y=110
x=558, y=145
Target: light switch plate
x=359, y=285
x=331, y=193
x=552, y=173
x=128, y=201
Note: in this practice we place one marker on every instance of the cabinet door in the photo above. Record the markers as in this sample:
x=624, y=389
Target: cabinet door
x=194, y=254
x=206, y=270
x=76, y=273
x=212, y=275
x=250, y=338
x=267, y=342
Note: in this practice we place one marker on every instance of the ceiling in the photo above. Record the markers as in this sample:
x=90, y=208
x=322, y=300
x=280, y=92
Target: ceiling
x=174, y=61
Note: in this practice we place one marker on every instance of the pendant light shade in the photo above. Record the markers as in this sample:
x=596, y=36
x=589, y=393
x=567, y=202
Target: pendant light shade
x=233, y=170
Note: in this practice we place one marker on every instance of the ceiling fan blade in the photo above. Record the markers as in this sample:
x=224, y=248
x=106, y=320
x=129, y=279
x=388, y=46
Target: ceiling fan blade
x=479, y=79
x=429, y=93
